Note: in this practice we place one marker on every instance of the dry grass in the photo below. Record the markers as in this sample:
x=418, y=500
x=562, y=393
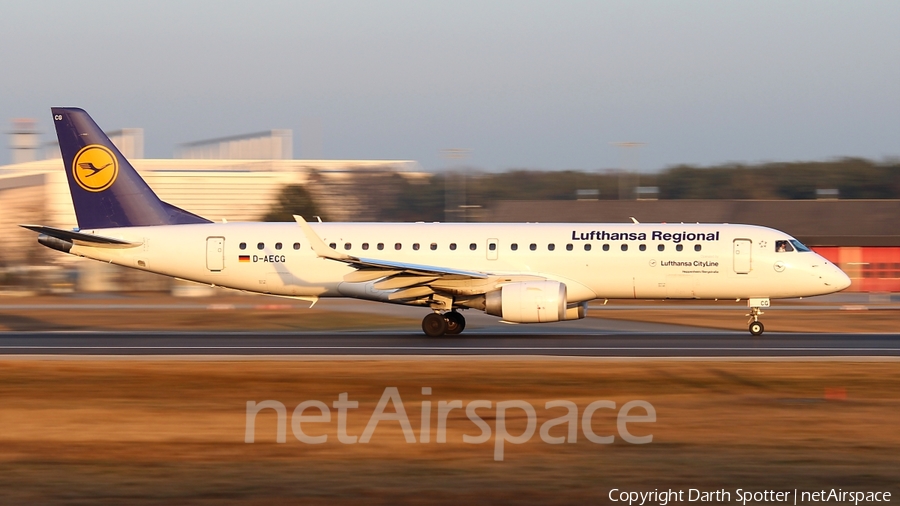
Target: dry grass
x=278, y=319
x=91, y=431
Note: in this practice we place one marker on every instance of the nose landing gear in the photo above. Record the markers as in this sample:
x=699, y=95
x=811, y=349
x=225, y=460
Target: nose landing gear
x=756, y=327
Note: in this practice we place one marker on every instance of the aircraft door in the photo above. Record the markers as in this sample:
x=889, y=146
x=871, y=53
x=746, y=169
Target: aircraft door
x=215, y=253
x=493, y=249
x=742, y=256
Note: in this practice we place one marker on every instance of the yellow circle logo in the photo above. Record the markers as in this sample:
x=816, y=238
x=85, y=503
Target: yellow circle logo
x=95, y=168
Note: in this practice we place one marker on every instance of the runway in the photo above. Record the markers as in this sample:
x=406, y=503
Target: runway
x=612, y=344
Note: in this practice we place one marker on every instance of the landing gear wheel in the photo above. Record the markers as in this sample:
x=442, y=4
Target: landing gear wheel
x=456, y=322
x=757, y=328
x=434, y=325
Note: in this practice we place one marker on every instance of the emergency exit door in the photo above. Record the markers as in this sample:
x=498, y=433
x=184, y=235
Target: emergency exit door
x=215, y=253
x=742, y=256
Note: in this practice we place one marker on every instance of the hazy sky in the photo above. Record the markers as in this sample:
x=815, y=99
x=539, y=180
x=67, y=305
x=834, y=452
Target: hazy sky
x=522, y=84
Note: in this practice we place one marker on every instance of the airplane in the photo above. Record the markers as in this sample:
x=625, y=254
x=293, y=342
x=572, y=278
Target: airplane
x=520, y=272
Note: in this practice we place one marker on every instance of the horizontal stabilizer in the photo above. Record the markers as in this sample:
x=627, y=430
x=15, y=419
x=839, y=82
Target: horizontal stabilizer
x=71, y=236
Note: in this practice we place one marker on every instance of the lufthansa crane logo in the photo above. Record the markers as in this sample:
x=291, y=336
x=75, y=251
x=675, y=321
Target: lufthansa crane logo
x=95, y=168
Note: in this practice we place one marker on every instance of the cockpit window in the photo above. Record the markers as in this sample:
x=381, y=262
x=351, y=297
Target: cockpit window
x=799, y=246
x=783, y=246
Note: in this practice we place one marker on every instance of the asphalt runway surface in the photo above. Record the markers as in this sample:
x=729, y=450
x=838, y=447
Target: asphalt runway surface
x=485, y=335
x=482, y=342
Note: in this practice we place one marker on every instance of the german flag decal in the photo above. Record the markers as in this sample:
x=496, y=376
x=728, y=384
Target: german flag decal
x=243, y=258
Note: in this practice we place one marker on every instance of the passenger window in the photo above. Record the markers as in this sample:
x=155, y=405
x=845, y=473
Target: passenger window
x=587, y=247
x=380, y=246
x=416, y=246
x=492, y=246
x=697, y=247
x=296, y=245
x=606, y=247
x=277, y=245
x=397, y=246
x=433, y=246
x=679, y=247
x=642, y=247
x=514, y=246
x=661, y=247
x=243, y=245
x=783, y=246
x=260, y=246
x=332, y=246
x=624, y=247
x=551, y=246
x=346, y=245
x=532, y=246
x=452, y=246
x=473, y=246
x=569, y=247
x=365, y=246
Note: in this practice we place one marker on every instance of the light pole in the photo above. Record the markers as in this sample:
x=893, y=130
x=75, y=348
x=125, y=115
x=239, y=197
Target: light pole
x=626, y=148
x=455, y=194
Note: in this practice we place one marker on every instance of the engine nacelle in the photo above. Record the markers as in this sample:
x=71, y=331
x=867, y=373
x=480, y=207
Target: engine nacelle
x=528, y=302
x=576, y=311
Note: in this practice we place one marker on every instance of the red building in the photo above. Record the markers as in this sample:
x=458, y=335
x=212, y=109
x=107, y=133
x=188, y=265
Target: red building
x=871, y=268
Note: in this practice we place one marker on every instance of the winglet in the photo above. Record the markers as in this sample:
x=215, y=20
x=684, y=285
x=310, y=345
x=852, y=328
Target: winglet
x=317, y=244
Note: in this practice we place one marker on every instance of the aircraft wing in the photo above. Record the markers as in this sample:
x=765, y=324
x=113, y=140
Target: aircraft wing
x=415, y=268
x=380, y=268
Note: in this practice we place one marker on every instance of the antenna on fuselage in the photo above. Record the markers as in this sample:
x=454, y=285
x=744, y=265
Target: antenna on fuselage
x=636, y=222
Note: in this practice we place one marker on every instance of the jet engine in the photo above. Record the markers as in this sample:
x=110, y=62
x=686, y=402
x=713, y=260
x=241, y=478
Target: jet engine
x=532, y=302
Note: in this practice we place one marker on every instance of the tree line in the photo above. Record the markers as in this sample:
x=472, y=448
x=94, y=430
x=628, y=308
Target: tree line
x=426, y=199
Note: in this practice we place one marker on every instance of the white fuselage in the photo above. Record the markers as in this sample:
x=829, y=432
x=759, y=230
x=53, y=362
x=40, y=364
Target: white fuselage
x=713, y=260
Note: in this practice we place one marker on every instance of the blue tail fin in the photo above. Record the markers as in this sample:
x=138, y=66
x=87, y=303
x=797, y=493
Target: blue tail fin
x=106, y=190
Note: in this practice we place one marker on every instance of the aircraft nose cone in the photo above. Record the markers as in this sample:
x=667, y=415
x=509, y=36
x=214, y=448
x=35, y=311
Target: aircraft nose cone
x=843, y=280
x=837, y=278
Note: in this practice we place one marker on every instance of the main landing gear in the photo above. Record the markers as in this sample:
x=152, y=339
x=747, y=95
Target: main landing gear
x=756, y=327
x=437, y=324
